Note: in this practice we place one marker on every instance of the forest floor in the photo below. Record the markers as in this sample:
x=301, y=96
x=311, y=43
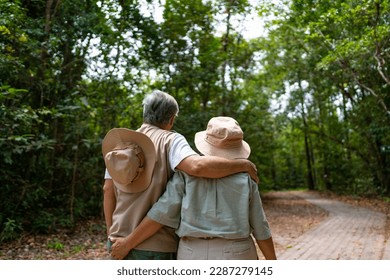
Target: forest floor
x=289, y=215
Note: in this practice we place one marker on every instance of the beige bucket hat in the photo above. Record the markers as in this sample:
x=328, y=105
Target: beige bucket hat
x=130, y=157
x=223, y=137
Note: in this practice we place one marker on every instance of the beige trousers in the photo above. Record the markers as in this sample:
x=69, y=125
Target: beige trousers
x=191, y=248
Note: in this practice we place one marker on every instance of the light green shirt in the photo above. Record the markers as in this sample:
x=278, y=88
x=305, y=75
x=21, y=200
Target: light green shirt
x=229, y=207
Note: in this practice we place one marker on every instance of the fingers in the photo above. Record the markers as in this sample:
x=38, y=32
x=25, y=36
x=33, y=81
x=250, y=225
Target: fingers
x=256, y=178
x=115, y=257
x=253, y=172
x=114, y=247
x=117, y=249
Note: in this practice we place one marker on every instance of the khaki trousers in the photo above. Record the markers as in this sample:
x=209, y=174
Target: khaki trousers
x=191, y=248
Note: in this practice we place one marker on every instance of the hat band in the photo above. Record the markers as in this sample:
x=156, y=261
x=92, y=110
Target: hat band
x=140, y=155
x=224, y=143
x=141, y=158
x=139, y=171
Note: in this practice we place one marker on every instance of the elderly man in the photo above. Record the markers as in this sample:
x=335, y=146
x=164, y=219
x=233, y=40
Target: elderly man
x=125, y=208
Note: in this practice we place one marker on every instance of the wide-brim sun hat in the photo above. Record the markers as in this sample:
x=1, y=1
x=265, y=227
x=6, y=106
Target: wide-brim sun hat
x=223, y=137
x=130, y=157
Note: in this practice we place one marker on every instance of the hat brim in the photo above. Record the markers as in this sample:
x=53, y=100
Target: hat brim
x=117, y=136
x=230, y=153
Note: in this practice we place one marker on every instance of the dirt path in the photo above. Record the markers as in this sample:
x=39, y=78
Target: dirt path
x=305, y=225
x=349, y=233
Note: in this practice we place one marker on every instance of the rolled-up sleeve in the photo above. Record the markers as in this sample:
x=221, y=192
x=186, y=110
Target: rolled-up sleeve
x=257, y=218
x=167, y=210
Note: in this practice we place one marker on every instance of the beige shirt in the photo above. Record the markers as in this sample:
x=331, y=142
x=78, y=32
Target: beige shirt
x=131, y=208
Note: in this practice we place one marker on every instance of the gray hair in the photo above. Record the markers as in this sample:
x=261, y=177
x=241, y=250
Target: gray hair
x=159, y=108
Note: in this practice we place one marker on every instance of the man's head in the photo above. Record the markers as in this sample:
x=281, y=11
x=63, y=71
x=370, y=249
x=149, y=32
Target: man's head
x=223, y=137
x=160, y=109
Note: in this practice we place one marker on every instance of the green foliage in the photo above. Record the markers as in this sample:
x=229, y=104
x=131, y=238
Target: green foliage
x=330, y=56
x=10, y=231
x=55, y=245
x=311, y=95
x=42, y=117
